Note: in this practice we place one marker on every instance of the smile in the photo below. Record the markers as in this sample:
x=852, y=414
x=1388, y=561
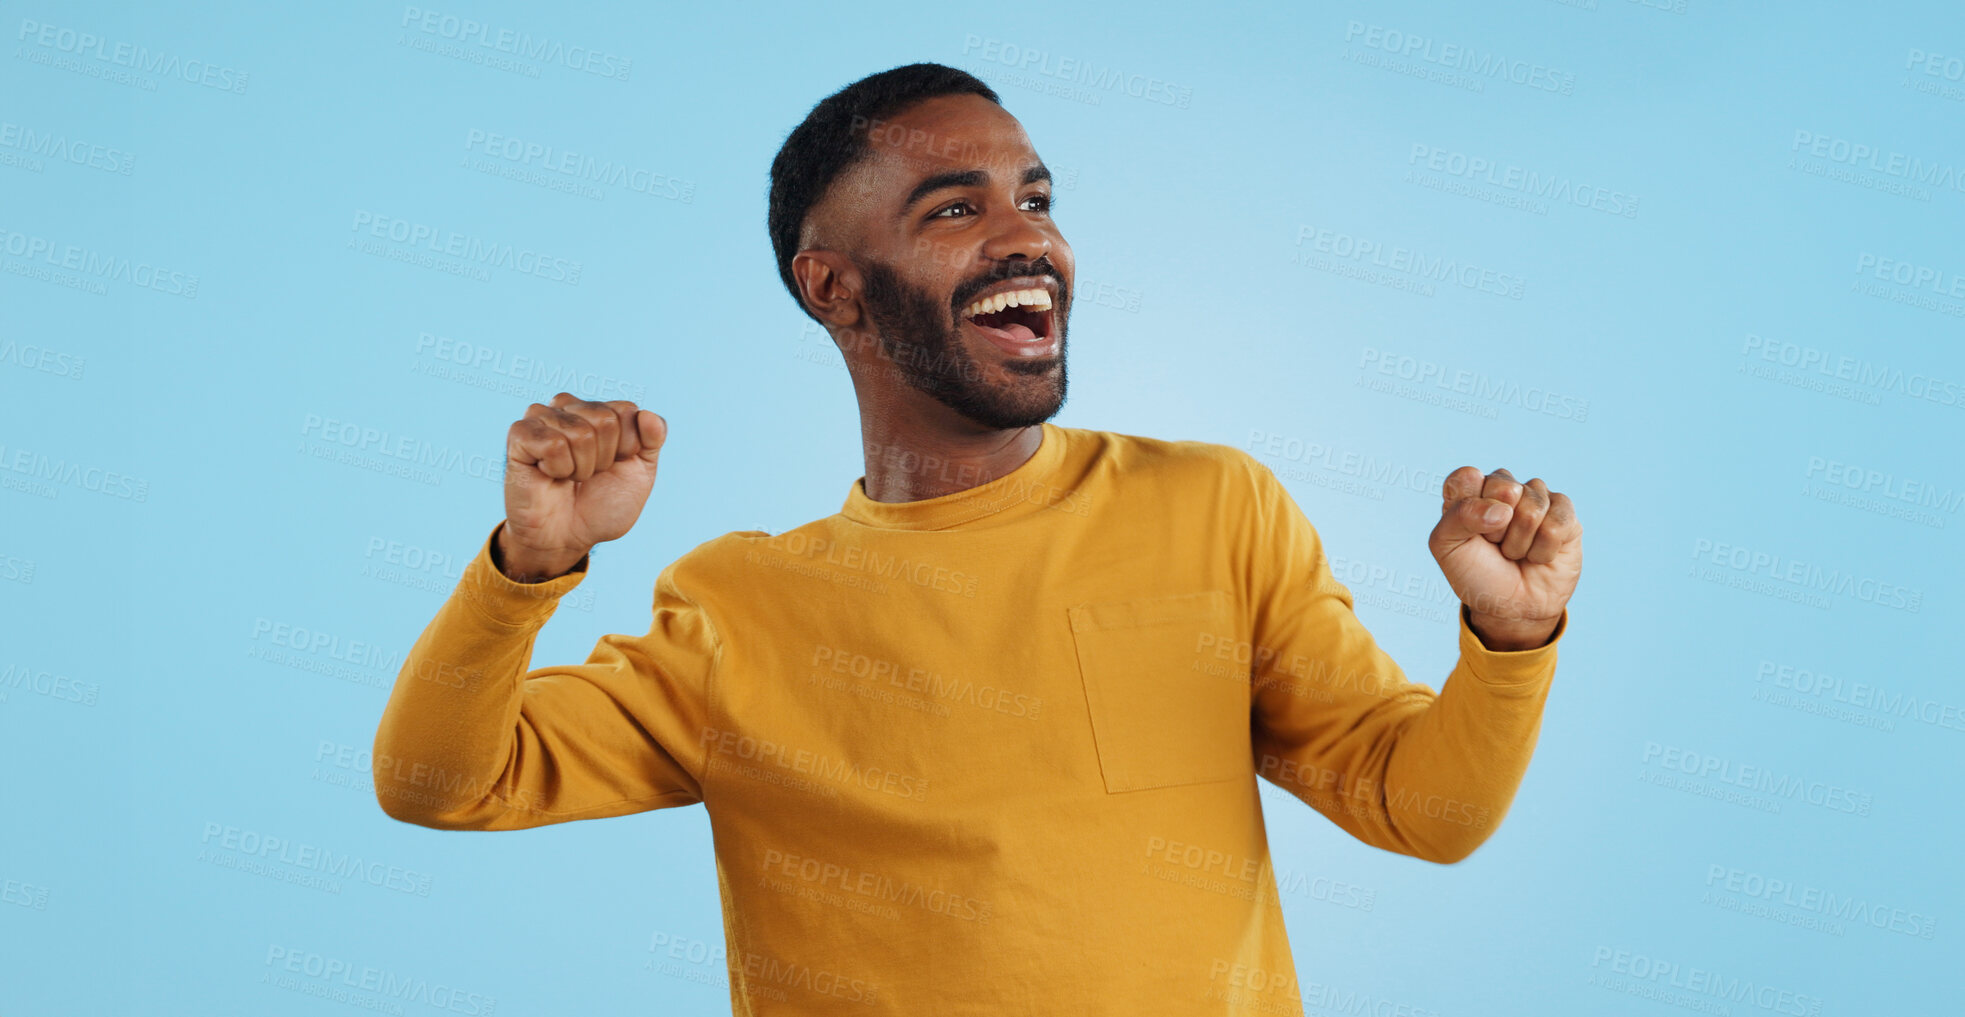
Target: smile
x=1018, y=318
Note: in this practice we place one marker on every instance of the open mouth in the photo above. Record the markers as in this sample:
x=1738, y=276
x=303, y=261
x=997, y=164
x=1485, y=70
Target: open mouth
x=1019, y=320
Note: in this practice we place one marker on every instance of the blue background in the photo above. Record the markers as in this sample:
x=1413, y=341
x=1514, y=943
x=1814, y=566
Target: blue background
x=1707, y=246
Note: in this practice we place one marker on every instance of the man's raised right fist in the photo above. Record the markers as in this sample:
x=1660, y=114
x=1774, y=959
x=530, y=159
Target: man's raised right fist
x=576, y=473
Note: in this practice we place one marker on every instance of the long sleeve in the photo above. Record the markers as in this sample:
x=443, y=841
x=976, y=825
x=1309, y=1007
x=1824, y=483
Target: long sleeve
x=1337, y=723
x=472, y=740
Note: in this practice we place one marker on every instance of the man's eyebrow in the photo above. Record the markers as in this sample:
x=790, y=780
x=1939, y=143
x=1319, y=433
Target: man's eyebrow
x=965, y=178
x=953, y=178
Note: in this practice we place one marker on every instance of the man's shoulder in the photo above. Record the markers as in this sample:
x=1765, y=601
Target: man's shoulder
x=739, y=551
x=720, y=575
x=1180, y=459
x=738, y=546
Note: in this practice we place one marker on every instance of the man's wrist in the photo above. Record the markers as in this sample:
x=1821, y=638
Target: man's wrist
x=526, y=567
x=1508, y=635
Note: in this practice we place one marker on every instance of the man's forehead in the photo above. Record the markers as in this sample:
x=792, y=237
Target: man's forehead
x=935, y=136
x=946, y=134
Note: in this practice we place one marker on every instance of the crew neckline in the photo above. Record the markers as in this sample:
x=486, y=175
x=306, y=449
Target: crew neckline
x=1012, y=494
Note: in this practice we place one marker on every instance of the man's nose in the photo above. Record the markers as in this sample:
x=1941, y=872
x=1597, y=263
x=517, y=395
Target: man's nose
x=1017, y=237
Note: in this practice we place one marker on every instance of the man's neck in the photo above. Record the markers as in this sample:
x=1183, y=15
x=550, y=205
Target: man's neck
x=912, y=463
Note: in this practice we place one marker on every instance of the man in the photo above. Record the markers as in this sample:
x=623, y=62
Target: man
x=984, y=741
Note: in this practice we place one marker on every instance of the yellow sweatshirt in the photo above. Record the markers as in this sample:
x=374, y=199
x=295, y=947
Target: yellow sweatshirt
x=989, y=753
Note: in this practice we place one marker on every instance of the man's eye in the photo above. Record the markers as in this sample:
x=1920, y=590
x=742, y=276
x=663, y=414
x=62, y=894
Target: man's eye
x=1043, y=201
x=943, y=214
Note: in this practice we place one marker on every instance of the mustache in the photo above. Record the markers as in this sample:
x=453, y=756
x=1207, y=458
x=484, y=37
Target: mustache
x=1010, y=270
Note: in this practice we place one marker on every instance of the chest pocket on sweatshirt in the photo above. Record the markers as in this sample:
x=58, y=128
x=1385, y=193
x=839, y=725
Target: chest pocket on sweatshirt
x=1162, y=716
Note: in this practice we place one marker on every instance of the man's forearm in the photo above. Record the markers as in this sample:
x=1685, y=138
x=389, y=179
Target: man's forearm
x=1456, y=768
x=445, y=738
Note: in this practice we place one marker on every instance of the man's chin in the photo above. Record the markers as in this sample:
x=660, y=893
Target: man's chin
x=1008, y=422
x=1028, y=404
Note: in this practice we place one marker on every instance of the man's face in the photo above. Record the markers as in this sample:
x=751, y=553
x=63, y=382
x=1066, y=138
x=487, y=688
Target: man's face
x=950, y=214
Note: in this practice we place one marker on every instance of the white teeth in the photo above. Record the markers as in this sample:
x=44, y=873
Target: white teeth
x=1036, y=299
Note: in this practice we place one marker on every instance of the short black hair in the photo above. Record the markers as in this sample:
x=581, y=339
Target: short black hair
x=833, y=137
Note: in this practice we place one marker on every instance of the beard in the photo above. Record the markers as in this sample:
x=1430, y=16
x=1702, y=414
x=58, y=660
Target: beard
x=923, y=341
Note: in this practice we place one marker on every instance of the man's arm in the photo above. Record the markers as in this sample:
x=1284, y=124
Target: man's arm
x=1337, y=723
x=472, y=740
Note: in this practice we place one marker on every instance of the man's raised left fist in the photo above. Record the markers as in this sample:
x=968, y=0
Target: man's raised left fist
x=1512, y=553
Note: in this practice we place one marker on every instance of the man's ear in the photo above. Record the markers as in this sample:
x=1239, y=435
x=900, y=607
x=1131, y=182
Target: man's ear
x=829, y=284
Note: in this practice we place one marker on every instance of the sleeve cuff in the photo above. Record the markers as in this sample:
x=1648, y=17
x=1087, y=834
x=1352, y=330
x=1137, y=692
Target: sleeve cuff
x=1509, y=667
x=510, y=603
